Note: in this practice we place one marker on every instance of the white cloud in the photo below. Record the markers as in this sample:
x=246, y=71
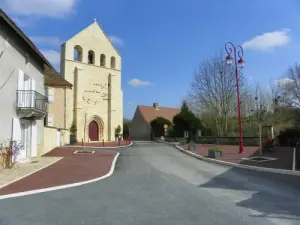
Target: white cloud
x=47, y=8
x=269, y=40
x=46, y=40
x=137, y=83
x=53, y=57
x=116, y=40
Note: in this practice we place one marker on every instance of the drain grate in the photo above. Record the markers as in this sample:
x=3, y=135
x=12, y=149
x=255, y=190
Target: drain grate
x=84, y=152
x=259, y=159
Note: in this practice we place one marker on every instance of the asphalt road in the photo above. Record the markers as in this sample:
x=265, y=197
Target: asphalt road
x=157, y=184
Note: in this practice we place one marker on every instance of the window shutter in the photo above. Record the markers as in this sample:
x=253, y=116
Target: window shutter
x=33, y=94
x=21, y=80
x=50, y=94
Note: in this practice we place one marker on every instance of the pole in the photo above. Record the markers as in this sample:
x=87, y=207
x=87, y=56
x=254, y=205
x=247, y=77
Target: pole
x=260, y=142
x=241, y=148
x=272, y=132
x=294, y=159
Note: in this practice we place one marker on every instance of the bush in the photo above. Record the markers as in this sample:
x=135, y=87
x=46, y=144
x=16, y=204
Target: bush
x=73, y=128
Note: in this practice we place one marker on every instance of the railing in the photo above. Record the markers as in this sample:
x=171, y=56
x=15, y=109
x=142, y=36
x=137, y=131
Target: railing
x=28, y=99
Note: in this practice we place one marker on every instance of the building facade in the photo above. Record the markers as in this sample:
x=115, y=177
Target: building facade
x=92, y=65
x=22, y=92
x=56, y=132
x=140, y=128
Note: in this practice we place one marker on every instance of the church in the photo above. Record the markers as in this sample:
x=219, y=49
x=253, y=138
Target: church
x=91, y=63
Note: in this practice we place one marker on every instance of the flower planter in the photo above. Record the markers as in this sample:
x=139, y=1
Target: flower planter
x=214, y=153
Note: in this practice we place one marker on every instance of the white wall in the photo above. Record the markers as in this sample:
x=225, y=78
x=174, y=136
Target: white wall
x=14, y=58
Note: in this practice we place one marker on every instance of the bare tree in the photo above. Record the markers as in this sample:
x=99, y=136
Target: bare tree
x=213, y=91
x=290, y=87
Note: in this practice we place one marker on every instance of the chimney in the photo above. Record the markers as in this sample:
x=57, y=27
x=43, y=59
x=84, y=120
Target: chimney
x=155, y=105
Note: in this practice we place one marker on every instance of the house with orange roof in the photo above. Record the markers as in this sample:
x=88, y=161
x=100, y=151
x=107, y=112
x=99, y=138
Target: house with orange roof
x=140, y=128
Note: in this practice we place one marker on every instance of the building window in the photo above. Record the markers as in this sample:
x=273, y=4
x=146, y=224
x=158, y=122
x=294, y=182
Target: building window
x=78, y=53
x=91, y=57
x=50, y=122
x=50, y=94
x=102, y=60
x=113, y=62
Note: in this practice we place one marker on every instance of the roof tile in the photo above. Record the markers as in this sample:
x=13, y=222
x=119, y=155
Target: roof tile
x=150, y=113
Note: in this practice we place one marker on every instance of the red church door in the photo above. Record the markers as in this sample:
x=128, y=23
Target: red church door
x=93, y=131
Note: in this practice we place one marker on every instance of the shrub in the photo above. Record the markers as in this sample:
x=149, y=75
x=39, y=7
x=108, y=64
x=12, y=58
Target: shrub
x=8, y=150
x=157, y=126
x=118, y=131
x=73, y=128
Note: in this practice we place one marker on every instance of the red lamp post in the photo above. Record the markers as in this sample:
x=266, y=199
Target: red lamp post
x=237, y=50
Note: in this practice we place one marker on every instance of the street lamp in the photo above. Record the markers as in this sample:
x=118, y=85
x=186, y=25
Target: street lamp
x=237, y=50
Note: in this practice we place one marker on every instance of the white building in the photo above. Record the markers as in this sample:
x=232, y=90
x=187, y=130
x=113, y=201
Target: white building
x=22, y=91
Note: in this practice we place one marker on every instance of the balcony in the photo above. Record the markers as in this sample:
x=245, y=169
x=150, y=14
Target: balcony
x=31, y=104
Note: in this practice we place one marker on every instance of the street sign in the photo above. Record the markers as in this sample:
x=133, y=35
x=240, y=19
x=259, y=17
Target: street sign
x=165, y=126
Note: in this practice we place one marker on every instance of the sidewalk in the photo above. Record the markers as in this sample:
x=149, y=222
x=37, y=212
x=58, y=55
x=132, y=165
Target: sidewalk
x=283, y=155
x=72, y=168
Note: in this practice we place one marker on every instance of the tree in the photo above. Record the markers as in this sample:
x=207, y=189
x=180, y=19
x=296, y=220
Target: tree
x=126, y=131
x=157, y=126
x=118, y=131
x=213, y=90
x=186, y=120
x=290, y=86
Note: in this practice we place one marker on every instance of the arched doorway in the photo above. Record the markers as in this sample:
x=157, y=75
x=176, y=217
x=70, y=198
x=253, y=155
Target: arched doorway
x=93, y=131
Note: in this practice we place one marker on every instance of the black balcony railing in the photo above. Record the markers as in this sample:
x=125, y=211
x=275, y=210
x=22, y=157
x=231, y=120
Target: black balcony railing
x=28, y=99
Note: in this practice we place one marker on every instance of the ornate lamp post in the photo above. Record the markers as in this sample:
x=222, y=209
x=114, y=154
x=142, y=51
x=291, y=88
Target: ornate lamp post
x=237, y=51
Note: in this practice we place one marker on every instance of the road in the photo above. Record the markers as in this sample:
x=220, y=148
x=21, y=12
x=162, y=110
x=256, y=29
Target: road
x=156, y=184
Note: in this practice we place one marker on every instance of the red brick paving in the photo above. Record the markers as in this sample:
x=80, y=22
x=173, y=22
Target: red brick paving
x=284, y=155
x=105, y=144
x=72, y=168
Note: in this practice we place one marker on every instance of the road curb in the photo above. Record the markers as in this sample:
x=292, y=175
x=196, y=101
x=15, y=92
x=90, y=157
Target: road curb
x=25, y=193
x=262, y=169
x=93, y=147
x=168, y=143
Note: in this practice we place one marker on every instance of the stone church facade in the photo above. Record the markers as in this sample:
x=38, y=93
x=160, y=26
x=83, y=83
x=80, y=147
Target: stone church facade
x=92, y=65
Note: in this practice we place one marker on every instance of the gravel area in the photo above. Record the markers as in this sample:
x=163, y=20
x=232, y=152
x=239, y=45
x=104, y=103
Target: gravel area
x=22, y=169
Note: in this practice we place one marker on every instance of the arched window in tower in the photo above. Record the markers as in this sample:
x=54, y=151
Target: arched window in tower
x=91, y=57
x=78, y=53
x=102, y=60
x=113, y=62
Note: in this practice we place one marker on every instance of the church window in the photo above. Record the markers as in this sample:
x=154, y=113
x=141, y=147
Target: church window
x=91, y=57
x=113, y=62
x=102, y=60
x=78, y=53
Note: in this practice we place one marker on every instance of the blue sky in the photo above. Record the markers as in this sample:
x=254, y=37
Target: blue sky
x=162, y=42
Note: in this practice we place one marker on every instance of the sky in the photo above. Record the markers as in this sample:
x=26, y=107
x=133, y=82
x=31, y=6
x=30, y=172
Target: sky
x=162, y=42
